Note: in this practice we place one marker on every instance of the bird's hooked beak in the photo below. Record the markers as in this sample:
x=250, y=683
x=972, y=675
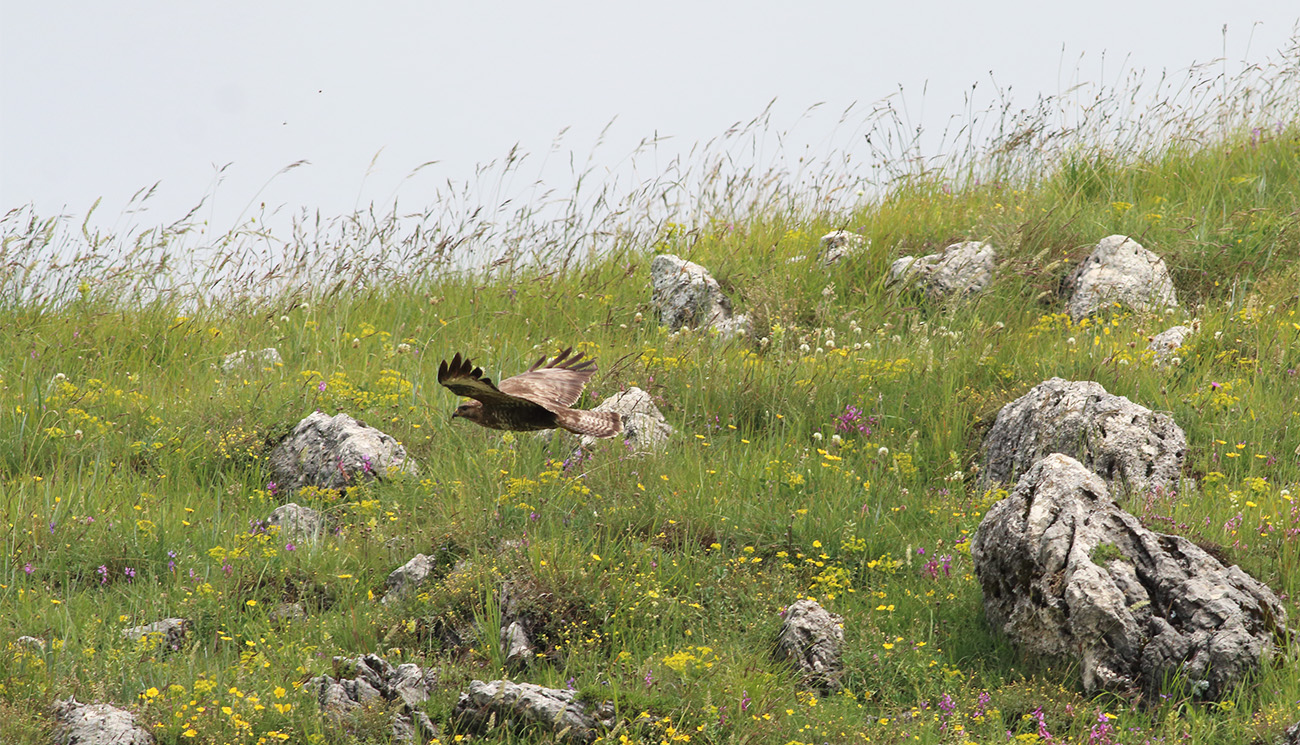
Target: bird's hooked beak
x=455, y=414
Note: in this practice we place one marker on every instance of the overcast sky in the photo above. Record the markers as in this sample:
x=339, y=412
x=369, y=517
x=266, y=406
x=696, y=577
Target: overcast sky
x=102, y=99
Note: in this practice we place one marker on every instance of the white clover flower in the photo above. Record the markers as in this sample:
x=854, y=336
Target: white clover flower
x=1071, y=341
x=883, y=451
x=804, y=348
x=817, y=436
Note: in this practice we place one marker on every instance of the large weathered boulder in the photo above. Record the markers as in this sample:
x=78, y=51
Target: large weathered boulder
x=687, y=296
x=644, y=427
x=523, y=704
x=1120, y=270
x=812, y=639
x=1130, y=446
x=962, y=269
x=1066, y=573
x=96, y=724
x=335, y=452
x=371, y=680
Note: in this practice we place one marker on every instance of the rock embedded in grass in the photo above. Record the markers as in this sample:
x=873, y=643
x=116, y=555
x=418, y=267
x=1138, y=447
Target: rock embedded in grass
x=687, y=296
x=838, y=245
x=516, y=705
x=1164, y=344
x=812, y=639
x=335, y=452
x=96, y=724
x=962, y=269
x=247, y=360
x=407, y=577
x=170, y=632
x=297, y=523
x=1120, y=270
x=1068, y=574
x=369, y=680
x=1128, y=445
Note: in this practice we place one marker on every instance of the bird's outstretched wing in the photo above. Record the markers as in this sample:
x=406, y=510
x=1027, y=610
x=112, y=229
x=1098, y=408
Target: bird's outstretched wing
x=462, y=378
x=554, y=385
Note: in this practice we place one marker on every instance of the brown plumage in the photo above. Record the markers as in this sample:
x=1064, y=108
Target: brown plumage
x=537, y=399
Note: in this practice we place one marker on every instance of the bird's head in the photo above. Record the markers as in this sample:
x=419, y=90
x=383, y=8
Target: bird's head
x=471, y=410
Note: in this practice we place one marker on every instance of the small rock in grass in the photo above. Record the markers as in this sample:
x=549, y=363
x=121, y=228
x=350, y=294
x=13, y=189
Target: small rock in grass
x=97, y=724
x=811, y=638
x=169, y=632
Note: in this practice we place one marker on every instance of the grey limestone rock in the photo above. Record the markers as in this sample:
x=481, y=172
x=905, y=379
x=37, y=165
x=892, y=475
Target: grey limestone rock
x=170, y=632
x=246, y=360
x=1068, y=574
x=812, y=639
x=1164, y=344
x=687, y=296
x=516, y=645
x=1120, y=270
x=1131, y=447
x=513, y=705
x=334, y=452
x=297, y=523
x=839, y=244
x=407, y=577
x=962, y=269
x=96, y=724
x=371, y=680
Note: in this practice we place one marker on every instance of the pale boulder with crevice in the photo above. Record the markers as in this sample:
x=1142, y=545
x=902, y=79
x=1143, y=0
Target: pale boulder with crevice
x=1120, y=270
x=1066, y=573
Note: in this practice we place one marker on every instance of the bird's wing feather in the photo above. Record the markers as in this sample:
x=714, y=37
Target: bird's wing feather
x=462, y=378
x=556, y=385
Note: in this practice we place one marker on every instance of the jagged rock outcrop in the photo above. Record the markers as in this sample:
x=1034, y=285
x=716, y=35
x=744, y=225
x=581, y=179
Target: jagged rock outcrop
x=812, y=639
x=407, y=577
x=687, y=296
x=1167, y=342
x=371, y=680
x=513, y=705
x=96, y=724
x=335, y=452
x=297, y=523
x=1068, y=574
x=1120, y=270
x=247, y=360
x=169, y=632
x=644, y=427
x=1131, y=447
x=962, y=269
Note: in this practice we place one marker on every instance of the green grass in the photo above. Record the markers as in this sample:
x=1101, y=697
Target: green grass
x=133, y=472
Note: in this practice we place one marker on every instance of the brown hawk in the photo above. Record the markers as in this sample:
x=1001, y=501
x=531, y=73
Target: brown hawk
x=537, y=399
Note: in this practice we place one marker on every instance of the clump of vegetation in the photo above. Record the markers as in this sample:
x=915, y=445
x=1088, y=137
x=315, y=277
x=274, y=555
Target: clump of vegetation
x=832, y=456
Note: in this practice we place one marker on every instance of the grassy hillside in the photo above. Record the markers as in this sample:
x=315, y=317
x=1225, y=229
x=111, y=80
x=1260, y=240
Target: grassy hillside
x=133, y=476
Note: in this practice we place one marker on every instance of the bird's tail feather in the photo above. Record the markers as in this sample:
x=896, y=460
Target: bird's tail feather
x=594, y=423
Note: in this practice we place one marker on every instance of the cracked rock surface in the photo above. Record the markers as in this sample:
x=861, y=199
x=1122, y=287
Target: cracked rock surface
x=512, y=705
x=334, y=452
x=811, y=638
x=1128, y=445
x=1066, y=573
